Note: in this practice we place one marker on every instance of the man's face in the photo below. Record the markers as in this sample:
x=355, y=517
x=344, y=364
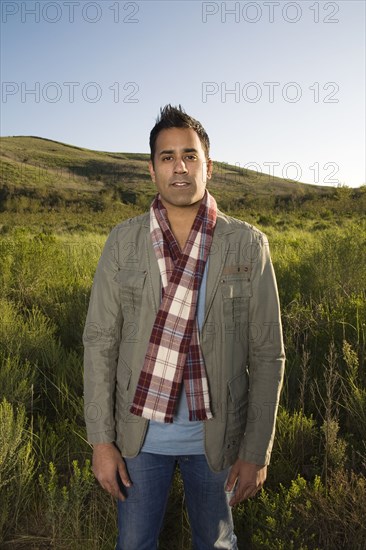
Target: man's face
x=180, y=170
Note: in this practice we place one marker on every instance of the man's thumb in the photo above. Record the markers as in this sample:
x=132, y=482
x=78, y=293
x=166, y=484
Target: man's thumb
x=231, y=480
x=123, y=475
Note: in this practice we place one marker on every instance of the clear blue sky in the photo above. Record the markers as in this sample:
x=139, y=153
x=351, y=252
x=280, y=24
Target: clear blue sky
x=100, y=71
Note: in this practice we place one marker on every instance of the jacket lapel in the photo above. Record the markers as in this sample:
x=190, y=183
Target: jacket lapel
x=154, y=279
x=217, y=258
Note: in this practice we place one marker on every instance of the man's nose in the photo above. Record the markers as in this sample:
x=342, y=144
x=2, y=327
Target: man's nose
x=180, y=167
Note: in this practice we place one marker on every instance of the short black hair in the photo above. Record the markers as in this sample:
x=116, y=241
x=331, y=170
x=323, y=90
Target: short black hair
x=176, y=117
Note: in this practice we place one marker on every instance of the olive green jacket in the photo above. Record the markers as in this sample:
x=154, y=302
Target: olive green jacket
x=241, y=341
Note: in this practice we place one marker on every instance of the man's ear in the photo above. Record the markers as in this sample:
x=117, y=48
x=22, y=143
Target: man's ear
x=209, y=168
x=152, y=171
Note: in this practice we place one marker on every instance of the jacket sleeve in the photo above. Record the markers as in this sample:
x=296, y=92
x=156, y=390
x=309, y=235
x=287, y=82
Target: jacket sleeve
x=266, y=357
x=101, y=339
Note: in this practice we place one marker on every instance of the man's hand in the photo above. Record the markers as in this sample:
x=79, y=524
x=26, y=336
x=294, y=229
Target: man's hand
x=107, y=461
x=249, y=477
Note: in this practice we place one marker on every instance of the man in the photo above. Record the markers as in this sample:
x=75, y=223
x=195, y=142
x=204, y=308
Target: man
x=183, y=351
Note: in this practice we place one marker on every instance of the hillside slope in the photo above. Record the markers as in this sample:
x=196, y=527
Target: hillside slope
x=40, y=168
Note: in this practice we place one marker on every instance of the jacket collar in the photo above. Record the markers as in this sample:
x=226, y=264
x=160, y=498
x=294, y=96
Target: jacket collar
x=222, y=226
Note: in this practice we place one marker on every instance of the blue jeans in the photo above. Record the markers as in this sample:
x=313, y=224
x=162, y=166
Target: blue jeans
x=141, y=515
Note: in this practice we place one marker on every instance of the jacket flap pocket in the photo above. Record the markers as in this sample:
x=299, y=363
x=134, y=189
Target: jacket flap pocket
x=244, y=269
x=123, y=377
x=130, y=278
x=235, y=287
x=238, y=387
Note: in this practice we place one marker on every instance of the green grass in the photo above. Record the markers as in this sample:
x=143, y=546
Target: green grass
x=45, y=284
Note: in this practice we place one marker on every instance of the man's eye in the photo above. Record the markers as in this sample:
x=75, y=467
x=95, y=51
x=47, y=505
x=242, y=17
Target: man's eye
x=167, y=158
x=191, y=157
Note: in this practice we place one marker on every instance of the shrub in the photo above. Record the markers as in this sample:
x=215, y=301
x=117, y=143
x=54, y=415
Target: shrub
x=16, y=466
x=78, y=514
x=307, y=515
x=17, y=378
x=336, y=514
x=295, y=448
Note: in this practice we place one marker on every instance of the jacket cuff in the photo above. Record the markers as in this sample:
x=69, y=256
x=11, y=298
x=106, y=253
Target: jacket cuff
x=102, y=437
x=255, y=458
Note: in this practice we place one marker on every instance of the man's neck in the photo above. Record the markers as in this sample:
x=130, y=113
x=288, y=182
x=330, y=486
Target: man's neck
x=181, y=219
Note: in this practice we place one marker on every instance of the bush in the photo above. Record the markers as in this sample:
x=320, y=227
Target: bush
x=307, y=515
x=78, y=514
x=16, y=466
x=295, y=448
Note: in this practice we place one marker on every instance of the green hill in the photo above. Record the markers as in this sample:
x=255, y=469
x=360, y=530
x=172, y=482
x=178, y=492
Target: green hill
x=52, y=172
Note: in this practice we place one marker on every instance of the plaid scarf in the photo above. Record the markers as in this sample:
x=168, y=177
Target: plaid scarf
x=174, y=352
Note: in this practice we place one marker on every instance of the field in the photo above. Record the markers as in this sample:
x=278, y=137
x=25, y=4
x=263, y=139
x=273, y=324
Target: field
x=51, y=236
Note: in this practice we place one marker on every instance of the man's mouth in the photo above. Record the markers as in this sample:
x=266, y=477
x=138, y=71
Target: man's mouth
x=180, y=183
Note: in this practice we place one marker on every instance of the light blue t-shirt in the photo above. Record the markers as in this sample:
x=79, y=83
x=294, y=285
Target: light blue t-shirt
x=181, y=436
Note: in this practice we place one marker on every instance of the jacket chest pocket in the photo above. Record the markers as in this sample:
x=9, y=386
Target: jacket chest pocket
x=131, y=284
x=235, y=292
